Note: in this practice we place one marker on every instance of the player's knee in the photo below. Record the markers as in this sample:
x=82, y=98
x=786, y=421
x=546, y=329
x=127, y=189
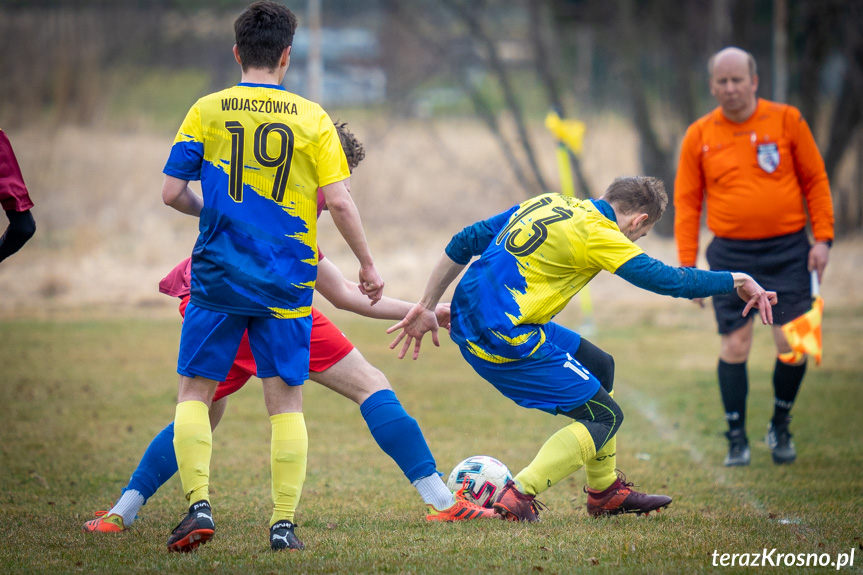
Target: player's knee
x=376, y=381
x=610, y=422
x=617, y=417
x=609, y=415
x=370, y=381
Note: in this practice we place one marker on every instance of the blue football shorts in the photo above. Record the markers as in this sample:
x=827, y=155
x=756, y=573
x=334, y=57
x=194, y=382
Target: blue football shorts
x=209, y=342
x=550, y=379
x=778, y=264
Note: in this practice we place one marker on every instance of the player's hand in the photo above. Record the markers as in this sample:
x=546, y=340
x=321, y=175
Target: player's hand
x=371, y=284
x=819, y=254
x=755, y=296
x=443, y=316
x=418, y=321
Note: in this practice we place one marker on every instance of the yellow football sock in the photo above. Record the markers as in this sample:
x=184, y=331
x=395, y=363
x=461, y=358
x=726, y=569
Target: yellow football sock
x=600, y=469
x=193, y=445
x=289, y=449
x=564, y=453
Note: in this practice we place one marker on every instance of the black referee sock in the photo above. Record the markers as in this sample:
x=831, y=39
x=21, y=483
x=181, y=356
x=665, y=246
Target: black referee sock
x=786, y=383
x=734, y=387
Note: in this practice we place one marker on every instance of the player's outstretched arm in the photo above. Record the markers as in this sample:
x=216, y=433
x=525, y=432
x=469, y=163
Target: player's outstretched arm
x=177, y=194
x=347, y=219
x=653, y=275
x=421, y=318
x=346, y=295
x=755, y=296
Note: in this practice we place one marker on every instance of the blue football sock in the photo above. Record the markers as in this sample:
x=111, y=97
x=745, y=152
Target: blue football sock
x=398, y=434
x=157, y=465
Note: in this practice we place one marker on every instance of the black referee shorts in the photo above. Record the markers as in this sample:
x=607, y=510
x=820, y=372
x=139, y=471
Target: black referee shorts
x=779, y=264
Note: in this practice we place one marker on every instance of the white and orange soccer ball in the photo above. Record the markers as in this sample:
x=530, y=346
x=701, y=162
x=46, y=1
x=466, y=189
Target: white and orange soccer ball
x=486, y=477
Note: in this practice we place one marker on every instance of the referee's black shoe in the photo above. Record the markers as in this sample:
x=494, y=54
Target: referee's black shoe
x=738, y=449
x=779, y=441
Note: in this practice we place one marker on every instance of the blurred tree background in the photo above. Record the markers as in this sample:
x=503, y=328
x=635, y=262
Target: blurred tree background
x=139, y=64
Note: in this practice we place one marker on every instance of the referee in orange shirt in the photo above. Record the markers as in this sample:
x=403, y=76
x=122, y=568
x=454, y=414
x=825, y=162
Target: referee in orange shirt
x=755, y=163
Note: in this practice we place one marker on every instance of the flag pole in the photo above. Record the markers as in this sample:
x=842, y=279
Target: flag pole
x=816, y=288
x=569, y=135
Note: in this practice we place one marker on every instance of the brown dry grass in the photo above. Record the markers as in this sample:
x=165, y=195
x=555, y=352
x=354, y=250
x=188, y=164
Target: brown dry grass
x=105, y=239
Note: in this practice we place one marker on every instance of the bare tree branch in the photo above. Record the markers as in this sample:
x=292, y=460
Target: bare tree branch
x=470, y=14
x=457, y=66
x=550, y=81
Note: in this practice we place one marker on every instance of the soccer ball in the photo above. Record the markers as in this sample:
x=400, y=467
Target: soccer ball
x=486, y=478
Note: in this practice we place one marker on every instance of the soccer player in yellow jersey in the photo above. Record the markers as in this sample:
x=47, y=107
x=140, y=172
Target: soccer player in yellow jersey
x=533, y=258
x=261, y=154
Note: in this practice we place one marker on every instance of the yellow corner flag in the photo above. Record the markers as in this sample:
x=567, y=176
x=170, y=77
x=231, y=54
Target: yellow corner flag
x=569, y=132
x=804, y=333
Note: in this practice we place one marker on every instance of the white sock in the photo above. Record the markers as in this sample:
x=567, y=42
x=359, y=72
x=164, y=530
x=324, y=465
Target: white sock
x=128, y=505
x=434, y=492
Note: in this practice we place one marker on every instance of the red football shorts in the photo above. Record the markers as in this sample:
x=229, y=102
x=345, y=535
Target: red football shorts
x=328, y=346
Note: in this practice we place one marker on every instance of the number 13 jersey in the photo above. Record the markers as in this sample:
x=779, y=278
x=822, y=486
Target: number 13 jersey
x=547, y=250
x=261, y=153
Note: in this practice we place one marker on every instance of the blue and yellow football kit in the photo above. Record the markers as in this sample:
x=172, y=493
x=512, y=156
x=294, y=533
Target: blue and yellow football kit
x=261, y=153
x=541, y=254
x=534, y=258
x=550, y=248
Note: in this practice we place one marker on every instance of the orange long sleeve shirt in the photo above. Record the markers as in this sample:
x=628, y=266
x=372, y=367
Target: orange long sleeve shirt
x=754, y=177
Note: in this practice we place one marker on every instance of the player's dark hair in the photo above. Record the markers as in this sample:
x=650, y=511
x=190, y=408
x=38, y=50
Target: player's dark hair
x=262, y=32
x=353, y=148
x=638, y=194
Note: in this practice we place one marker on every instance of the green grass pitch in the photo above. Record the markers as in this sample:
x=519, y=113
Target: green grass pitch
x=84, y=397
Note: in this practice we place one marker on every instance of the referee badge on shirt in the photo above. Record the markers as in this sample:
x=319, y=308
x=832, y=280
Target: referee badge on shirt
x=768, y=157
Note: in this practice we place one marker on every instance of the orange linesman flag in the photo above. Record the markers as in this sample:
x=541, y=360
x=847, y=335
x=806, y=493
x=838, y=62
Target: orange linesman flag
x=804, y=333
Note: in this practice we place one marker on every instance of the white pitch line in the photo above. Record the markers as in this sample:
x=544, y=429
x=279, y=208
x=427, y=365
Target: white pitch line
x=647, y=407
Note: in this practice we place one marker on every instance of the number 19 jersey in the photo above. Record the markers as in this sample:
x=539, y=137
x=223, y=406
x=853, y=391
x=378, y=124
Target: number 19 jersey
x=261, y=153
